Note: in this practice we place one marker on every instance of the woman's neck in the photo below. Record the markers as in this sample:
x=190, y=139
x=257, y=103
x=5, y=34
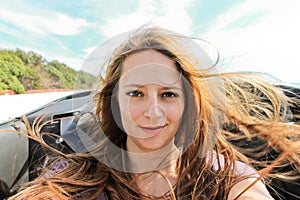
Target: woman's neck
x=152, y=161
x=155, y=171
x=157, y=183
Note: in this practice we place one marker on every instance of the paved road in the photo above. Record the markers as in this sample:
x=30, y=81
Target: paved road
x=15, y=105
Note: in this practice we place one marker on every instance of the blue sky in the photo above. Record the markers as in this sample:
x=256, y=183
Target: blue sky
x=251, y=35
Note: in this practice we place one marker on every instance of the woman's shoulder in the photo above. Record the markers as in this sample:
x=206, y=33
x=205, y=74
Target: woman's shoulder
x=248, y=189
x=241, y=169
x=247, y=185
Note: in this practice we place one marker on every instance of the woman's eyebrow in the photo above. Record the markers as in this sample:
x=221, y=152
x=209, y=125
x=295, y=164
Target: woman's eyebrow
x=172, y=87
x=134, y=85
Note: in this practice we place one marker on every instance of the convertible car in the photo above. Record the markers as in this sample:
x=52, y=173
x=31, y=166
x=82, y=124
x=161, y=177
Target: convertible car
x=20, y=156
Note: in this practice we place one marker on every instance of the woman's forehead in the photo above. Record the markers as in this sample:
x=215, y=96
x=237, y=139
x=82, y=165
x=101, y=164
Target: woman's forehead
x=148, y=67
x=151, y=73
x=147, y=57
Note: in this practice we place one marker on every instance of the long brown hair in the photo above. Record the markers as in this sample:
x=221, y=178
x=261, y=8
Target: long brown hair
x=220, y=109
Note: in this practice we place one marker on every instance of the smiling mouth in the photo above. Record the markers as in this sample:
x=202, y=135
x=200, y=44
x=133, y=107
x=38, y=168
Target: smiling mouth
x=152, y=129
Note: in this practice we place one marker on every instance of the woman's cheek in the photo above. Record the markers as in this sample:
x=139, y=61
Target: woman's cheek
x=174, y=110
x=135, y=110
x=174, y=114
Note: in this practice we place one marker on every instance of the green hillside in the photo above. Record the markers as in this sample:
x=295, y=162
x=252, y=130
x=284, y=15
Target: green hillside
x=21, y=71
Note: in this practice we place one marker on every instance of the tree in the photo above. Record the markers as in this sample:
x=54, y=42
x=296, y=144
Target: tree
x=63, y=74
x=11, y=67
x=15, y=75
x=30, y=59
x=21, y=71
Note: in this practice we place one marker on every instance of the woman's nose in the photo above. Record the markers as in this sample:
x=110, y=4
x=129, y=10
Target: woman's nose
x=155, y=111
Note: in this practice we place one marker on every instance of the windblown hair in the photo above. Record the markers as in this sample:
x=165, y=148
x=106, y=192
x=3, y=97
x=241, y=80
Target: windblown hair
x=222, y=111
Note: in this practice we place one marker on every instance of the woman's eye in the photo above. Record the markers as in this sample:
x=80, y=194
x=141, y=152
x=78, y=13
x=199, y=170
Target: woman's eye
x=135, y=93
x=170, y=95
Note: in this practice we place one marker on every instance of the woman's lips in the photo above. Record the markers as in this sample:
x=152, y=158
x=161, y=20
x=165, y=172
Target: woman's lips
x=152, y=129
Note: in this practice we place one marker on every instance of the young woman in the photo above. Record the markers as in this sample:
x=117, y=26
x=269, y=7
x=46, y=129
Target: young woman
x=165, y=127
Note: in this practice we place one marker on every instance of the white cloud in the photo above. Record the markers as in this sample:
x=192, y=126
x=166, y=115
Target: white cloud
x=88, y=51
x=166, y=13
x=269, y=45
x=50, y=22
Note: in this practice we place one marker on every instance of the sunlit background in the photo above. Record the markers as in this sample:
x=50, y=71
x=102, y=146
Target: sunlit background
x=251, y=35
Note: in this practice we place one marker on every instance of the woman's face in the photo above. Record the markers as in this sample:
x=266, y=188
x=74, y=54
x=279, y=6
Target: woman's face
x=151, y=100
